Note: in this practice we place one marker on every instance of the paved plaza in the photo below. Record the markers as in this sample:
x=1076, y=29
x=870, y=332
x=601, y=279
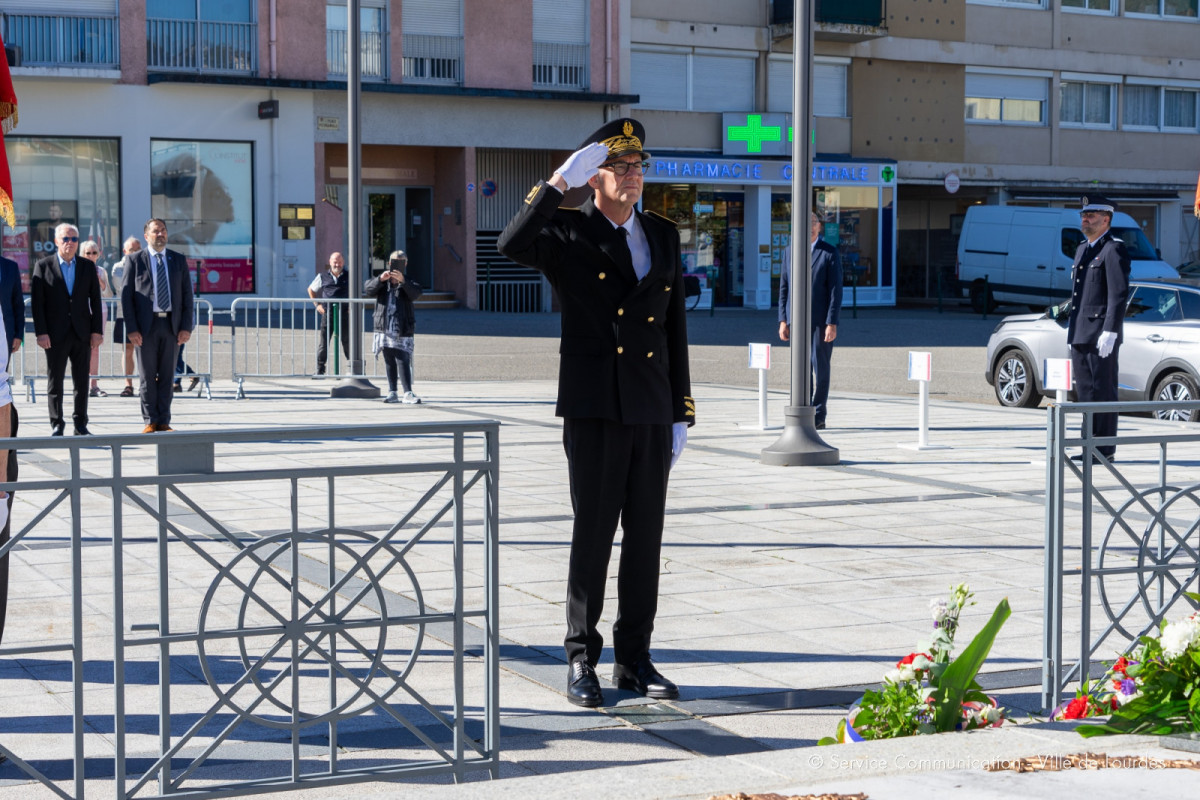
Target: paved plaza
x=785, y=592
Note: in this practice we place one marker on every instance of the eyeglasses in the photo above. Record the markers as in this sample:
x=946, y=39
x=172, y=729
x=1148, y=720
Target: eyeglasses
x=620, y=168
x=70, y=238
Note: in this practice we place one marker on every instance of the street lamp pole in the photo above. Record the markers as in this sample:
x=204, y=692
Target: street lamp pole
x=799, y=444
x=354, y=385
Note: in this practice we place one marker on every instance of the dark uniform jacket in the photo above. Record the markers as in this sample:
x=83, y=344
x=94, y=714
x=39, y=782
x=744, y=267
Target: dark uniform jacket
x=623, y=354
x=1099, y=290
x=55, y=313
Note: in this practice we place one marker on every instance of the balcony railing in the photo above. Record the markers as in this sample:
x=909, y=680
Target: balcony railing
x=560, y=66
x=373, y=61
x=836, y=12
x=64, y=41
x=433, y=59
x=188, y=45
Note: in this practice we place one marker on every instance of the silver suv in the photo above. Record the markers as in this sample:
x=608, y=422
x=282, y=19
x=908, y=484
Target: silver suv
x=1159, y=355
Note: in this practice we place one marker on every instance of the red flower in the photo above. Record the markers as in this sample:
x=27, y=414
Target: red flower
x=1112, y=702
x=908, y=659
x=1121, y=665
x=1076, y=709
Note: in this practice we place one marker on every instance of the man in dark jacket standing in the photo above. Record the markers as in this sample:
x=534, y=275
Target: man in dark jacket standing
x=332, y=284
x=623, y=390
x=826, y=306
x=1099, y=293
x=65, y=300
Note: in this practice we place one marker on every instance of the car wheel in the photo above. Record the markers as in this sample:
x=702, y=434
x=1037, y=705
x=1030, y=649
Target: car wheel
x=982, y=300
x=1012, y=379
x=1177, y=387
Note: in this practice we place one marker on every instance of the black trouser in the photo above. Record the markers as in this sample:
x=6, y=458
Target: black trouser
x=398, y=364
x=78, y=353
x=4, y=532
x=617, y=473
x=821, y=353
x=156, y=366
x=1096, y=382
x=343, y=334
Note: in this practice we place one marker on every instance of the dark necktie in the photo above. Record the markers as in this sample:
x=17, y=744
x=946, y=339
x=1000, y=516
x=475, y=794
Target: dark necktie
x=163, y=292
x=625, y=254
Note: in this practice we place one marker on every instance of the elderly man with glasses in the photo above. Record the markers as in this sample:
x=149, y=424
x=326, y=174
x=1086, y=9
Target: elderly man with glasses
x=91, y=251
x=68, y=321
x=623, y=390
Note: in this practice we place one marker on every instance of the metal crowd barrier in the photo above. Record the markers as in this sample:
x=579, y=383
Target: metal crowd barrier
x=30, y=367
x=277, y=337
x=222, y=654
x=1135, y=549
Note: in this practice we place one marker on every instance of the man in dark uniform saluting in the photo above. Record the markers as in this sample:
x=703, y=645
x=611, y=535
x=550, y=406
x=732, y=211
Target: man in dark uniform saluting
x=623, y=390
x=1099, y=292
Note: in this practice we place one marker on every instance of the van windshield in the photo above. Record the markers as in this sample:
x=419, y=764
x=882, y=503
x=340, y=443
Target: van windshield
x=1136, y=243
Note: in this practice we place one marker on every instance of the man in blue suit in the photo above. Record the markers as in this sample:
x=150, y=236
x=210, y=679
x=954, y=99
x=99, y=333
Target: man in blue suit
x=12, y=309
x=826, y=305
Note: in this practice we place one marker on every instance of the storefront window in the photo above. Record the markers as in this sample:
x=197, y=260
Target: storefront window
x=62, y=180
x=204, y=192
x=711, y=225
x=852, y=225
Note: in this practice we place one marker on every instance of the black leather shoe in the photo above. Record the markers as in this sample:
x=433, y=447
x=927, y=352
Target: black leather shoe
x=643, y=678
x=81, y=430
x=57, y=430
x=819, y=425
x=583, y=687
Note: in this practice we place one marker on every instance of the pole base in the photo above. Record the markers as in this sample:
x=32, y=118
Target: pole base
x=354, y=387
x=800, y=445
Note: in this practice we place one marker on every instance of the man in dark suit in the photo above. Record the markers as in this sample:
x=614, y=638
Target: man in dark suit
x=65, y=299
x=1099, y=293
x=12, y=309
x=156, y=300
x=623, y=390
x=826, y=306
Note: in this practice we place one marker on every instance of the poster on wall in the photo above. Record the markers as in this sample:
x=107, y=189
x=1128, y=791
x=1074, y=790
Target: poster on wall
x=44, y=217
x=204, y=192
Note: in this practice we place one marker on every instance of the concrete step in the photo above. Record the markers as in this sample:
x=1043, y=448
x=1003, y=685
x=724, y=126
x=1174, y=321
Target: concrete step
x=436, y=300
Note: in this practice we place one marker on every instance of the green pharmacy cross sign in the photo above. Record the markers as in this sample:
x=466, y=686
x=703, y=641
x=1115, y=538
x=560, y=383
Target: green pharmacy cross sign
x=757, y=134
x=754, y=133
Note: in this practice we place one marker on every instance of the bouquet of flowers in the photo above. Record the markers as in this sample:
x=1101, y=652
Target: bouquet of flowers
x=1155, y=689
x=929, y=691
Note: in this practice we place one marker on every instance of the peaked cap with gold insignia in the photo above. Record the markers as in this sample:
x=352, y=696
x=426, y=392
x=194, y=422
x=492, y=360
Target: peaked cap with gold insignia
x=621, y=136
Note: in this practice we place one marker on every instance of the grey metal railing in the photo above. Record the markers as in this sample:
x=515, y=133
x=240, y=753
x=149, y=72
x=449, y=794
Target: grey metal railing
x=64, y=40
x=1147, y=552
x=30, y=366
x=277, y=337
x=560, y=66
x=219, y=654
x=433, y=59
x=189, y=45
x=373, y=54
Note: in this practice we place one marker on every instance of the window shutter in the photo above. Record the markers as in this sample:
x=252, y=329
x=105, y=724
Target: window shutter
x=560, y=21
x=1016, y=87
x=722, y=83
x=432, y=17
x=829, y=90
x=74, y=8
x=660, y=79
x=779, y=85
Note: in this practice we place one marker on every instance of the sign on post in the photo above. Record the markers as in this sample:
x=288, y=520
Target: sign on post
x=1056, y=375
x=760, y=359
x=920, y=369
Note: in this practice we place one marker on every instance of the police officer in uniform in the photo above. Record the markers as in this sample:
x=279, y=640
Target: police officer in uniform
x=1099, y=292
x=623, y=390
x=332, y=284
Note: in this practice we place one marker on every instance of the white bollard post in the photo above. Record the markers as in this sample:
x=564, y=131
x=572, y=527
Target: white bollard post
x=1056, y=375
x=920, y=369
x=760, y=359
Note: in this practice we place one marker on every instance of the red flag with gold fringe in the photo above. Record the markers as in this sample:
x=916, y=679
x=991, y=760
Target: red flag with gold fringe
x=8, y=120
x=1197, y=208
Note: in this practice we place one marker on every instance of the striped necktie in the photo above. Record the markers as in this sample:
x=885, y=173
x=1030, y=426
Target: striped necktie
x=162, y=291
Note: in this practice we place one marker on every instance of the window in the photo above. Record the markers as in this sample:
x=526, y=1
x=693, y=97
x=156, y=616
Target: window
x=1024, y=3
x=1166, y=108
x=1006, y=98
x=560, y=44
x=1162, y=8
x=432, y=41
x=1106, y=6
x=1153, y=304
x=1071, y=239
x=202, y=35
x=1191, y=304
x=693, y=81
x=372, y=28
x=204, y=192
x=62, y=180
x=830, y=83
x=1086, y=104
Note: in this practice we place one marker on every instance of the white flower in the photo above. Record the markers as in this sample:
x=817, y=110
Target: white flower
x=921, y=663
x=993, y=715
x=938, y=609
x=1177, y=637
x=892, y=676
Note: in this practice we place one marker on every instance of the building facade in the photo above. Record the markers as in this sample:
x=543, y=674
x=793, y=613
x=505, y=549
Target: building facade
x=229, y=119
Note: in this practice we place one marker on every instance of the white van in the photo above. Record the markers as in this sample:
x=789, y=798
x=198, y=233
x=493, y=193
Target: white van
x=1025, y=254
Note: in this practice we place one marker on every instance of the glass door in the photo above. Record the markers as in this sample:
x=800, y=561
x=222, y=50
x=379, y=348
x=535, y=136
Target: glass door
x=398, y=218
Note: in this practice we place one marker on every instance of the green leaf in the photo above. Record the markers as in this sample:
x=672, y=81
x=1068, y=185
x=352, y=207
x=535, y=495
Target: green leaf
x=959, y=676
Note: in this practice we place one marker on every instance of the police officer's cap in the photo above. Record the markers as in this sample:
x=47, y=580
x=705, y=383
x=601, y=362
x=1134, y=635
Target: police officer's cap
x=622, y=137
x=1097, y=202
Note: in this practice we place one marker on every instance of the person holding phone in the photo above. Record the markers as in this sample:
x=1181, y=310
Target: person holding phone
x=395, y=324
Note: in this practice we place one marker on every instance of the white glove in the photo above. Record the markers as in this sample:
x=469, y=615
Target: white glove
x=1105, y=344
x=678, y=441
x=583, y=164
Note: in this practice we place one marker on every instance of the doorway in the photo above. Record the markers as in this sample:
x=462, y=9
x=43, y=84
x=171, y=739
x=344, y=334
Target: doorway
x=399, y=218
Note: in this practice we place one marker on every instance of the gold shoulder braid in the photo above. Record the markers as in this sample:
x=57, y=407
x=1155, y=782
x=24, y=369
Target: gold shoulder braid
x=689, y=406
